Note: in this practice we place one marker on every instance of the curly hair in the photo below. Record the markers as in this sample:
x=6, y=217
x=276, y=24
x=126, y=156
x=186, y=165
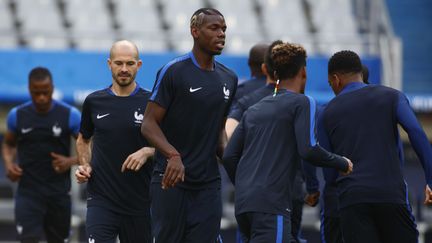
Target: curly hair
x=267, y=58
x=288, y=59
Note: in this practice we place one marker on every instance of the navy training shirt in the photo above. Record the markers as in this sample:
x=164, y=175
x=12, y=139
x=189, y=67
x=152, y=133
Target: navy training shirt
x=361, y=124
x=37, y=136
x=246, y=87
x=249, y=100
x=265, y=151
x=114, y=124
x=196, y=103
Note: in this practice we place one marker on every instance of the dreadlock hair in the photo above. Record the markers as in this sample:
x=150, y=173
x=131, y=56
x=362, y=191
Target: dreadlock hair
x=197, y=18
x=39, y=74
x=344, y=62
x=287, y=60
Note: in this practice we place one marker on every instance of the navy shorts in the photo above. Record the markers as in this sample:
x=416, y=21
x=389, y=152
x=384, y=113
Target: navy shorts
x=180, y=215
x=263, y=227
x=378, y=222
x=331, y=229
x=36, y=214
x=104, y=225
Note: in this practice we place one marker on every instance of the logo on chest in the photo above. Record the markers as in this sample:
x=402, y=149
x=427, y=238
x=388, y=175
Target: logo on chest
x=138, y=116
x=56, y=129
x=226, y=92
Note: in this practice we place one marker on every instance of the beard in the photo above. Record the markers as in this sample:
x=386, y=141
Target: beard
x=124, y=80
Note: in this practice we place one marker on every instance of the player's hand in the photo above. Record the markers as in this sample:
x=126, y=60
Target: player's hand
x=312, y=199
x=350, y=167
x=174, y=172
x=428, y=195
x=83, y=173
x=136, y=160
x=13, y=172
x=60, y=163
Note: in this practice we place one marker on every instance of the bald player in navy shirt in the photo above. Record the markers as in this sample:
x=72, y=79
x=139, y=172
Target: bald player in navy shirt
x=361, y=122
x=39, y=138
x=114, y=157
x=265, y=151
x=184, y=121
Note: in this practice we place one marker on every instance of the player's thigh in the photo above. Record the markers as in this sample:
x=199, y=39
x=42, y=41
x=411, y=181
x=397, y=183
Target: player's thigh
x=358, y=225
x=270, y=228
x=102, y=225
x=331, y=230
x=58, y=219
x=168, y=214
x=29, y=216
x=204, y=212
x=135, y=229
x=396, y=223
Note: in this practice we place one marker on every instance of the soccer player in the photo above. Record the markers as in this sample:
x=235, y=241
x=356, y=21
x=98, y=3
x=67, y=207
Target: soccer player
x=184, y=121
x=265, y=151
x=361, y=123
x=38, y=137
x=113, y=155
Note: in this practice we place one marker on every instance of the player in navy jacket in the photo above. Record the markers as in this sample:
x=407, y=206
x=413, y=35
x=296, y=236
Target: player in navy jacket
x=38, y=137
x=185, y=120
x=361, y=123
x=265, y=151
x=114, y=156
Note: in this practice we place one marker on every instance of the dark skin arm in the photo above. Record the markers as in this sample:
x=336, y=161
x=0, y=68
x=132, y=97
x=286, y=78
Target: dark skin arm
x=61, y=163
x=223, y=141
x=150, y=129
x=9, y=151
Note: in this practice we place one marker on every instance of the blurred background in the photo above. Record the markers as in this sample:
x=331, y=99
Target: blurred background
x=73, y=37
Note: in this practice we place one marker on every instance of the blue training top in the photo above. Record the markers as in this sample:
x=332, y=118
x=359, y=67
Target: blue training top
x=265, y=151
x=114, y=124
x=196, y=103
x=37, y=136
x=361, y=124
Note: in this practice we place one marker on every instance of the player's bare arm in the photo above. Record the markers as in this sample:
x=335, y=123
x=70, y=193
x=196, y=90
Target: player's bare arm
x=230, y=127
x=223, y=141
x=150, y=129
x=83, y=146
x=62, y=163
x=136, y=160
x=9, y=151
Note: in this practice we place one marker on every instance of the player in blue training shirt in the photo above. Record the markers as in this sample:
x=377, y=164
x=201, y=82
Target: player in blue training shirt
x=114, y=157
x=184, y=121
x=265, y=151
x=361, y=123
x=330, y=228
x=38, y=138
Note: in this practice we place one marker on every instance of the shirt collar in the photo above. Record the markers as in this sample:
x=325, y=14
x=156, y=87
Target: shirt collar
x=352, y=87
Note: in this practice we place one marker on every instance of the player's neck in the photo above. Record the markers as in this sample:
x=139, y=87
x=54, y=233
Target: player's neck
x=123, y=90
x=291, y=85
x=204, y=60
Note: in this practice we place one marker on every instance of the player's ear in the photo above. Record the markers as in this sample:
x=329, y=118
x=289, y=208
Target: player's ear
x=264, y=69
x=139, y=63
x=194, y=32
x=109, y=63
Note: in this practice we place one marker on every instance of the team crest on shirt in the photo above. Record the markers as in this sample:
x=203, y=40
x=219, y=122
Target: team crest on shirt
x=19, y=229
x=91, y=240
x=138, y=116
x=56, y=130
x=226, y=92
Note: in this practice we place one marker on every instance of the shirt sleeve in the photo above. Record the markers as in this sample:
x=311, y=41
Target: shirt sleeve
x=163, y=89
x=87, y=126
x=74, y=120
x=234, y=150
x=419, y=141
x=307, y=145
x=11, y=120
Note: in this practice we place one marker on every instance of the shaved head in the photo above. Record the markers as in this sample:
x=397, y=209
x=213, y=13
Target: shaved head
x=124, y=46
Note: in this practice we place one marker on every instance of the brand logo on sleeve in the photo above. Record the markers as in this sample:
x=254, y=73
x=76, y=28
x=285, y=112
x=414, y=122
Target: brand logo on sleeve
x=19, y=229
x=102, y=116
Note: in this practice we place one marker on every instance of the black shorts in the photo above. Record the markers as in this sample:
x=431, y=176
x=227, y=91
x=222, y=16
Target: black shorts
x=36, y=214
x=263, y=227
x=180, y=215
x=378, y=222
x=331, y=230
x=104, y=225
